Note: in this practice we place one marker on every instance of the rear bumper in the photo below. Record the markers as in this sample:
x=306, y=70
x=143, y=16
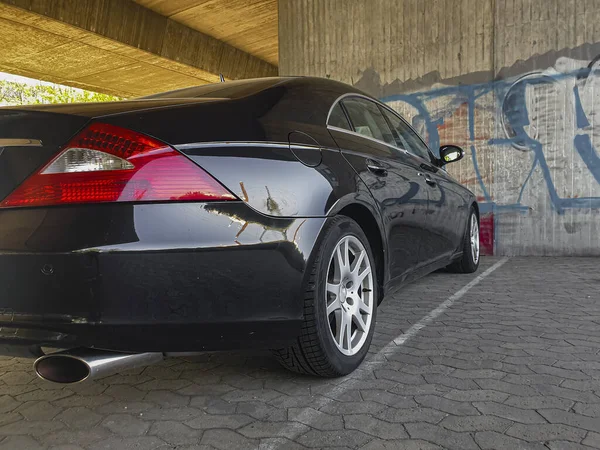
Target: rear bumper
x=171, y=277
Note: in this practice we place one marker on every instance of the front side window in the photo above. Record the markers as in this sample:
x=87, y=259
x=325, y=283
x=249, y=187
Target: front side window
x=337, y=118
x=405, y=137
x=367, y=120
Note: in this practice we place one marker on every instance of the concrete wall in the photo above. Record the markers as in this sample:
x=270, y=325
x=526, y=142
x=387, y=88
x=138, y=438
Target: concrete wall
x=515, y=82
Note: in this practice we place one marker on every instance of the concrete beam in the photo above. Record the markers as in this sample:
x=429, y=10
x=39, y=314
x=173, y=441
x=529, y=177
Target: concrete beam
x=114, y=46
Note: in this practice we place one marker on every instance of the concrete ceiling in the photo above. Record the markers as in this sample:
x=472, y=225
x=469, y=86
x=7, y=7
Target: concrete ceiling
x=123, y=48
x=250, y=25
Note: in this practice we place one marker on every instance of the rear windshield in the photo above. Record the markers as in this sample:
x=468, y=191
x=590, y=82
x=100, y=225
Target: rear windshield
x=228, y=89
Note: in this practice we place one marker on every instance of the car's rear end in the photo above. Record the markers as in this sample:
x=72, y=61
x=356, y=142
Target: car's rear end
x=110, y=238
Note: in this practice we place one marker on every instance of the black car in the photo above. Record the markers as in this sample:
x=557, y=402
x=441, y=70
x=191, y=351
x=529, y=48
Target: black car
x=273, y=213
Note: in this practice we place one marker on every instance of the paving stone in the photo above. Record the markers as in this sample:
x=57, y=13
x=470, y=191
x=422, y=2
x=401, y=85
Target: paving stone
x=321, y=439
x=262, y=411
x=33, y=428
x=228, y=440
x=178, y=414
x=89, y=401
x=20, y=443
x=74, y=437
x=167, y=399
x=136, y=443
x=364, y=407
x=568, y=418
x=79, y=417
x=565, y=445
x=175, y=433
x=440, y=436
x=490, y=440
x=124, y=392
x=213, y=405
x=445, y=405
x=375, y=427
x=379, y=444
x=388, y=398
x=476, y=395
x=8, y=404
x=546, y=432
x=38, y=410
x=245, y=396
x=509, y=412
x=315, y=419
x=592, y=439
x=290, y=430
x=208, y=421
x=411, y=415
x=475, y=423
x=509, y=388
x=539, y=402
x=586, y=409
x=558, y=372
x=126, y=424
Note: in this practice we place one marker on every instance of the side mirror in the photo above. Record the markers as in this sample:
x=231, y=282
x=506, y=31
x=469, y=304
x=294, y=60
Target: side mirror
x=450, y=153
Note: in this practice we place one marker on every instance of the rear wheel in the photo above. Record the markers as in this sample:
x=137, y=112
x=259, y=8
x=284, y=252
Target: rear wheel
x=340, y=305
x=469, y=262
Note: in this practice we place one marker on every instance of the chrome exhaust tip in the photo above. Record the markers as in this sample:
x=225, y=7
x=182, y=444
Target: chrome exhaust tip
x=81, y=364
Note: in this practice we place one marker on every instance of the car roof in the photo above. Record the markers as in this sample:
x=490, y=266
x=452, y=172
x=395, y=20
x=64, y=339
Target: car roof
x=243, y=88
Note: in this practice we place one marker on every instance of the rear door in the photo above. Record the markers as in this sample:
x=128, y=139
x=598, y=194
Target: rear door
x=390, y=173
x=446, y=216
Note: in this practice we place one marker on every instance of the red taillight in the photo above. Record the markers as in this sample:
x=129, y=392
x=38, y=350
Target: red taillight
x=106, y=163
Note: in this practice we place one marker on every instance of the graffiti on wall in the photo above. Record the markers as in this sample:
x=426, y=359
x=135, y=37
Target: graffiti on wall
x=533, y=138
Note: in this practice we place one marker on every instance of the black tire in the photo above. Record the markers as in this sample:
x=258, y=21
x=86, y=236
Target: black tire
x=467, y=264
x=315, y=352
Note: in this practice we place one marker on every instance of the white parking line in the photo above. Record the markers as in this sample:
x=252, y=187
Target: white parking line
x=308, y=414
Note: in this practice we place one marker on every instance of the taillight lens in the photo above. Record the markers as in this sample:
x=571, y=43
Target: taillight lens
x=107, y=163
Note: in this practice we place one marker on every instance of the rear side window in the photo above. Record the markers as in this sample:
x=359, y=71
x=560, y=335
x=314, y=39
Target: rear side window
x=405, y=137
x=338, y=118
x=367, y=120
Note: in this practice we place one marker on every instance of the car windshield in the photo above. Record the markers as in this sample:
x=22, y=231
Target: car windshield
x=228, y=89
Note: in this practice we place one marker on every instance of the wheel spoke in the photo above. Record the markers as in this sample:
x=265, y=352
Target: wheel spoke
x=359, y=321
x=333, y=306
x=358, y=261
x=348, y=334
x=333, y=288
x=364, y=274
x=340, y=327
x=341, y=259
x=362, y=306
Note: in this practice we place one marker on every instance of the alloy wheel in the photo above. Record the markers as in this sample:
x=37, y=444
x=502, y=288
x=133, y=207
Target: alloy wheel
x=349, y=294
x=474, y=239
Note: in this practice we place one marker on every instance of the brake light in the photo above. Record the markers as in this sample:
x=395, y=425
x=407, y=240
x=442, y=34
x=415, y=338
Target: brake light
x=107, y=163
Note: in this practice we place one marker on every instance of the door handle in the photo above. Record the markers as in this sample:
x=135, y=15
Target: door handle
x=430, y=181
x=376, y=168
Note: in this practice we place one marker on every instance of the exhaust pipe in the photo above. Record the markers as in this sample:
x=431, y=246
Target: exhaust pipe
x=80, y=364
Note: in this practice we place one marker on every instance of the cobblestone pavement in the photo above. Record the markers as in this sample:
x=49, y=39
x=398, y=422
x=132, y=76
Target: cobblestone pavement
x=514, y=363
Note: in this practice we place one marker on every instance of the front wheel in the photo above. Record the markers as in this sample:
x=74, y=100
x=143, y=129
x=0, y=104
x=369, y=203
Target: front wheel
x=469, y=262
x=340, y=305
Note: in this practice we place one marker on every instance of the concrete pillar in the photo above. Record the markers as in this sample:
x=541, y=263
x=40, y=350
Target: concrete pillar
x=515, y=82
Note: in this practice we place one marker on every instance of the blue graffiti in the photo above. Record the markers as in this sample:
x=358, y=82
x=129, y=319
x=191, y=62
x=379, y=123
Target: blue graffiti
x=511, y=95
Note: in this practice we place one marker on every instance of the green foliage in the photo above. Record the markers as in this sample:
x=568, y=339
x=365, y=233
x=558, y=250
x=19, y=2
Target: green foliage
x=13, y=93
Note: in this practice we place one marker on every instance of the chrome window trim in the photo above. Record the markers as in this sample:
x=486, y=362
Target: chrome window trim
x=20, y=143
x=354, y=133
x=377, y=102
x=268, y=144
